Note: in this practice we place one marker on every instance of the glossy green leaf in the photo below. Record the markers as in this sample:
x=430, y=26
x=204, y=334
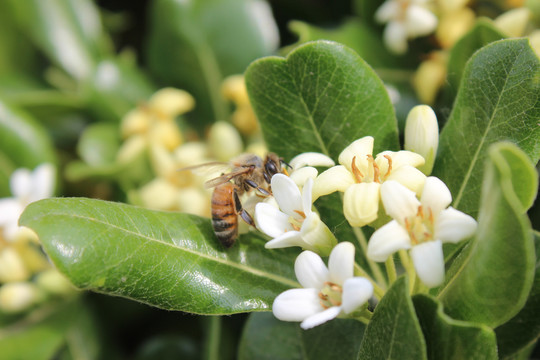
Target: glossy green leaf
x=483, y=33
x=69, y=32
x=449, y=339
x=322, y=97
x=498, y=100
x=265, y=337
x=169, y=260
x=23, y=143
x=353, y=33
x=195, y=44
x=394, y=331
x=490, y=281
x=523, y=330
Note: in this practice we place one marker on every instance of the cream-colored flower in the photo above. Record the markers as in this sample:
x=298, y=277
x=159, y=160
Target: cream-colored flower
x=405, y=19
x=360, y=176
x=328, y=291
x=421, y=226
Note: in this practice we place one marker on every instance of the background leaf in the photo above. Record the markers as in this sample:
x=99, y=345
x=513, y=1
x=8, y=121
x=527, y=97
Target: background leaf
x=169, y=260
x=498, y=100
x=322, y=97
x=523, y=330
x=490, y=280
x=447, y=338
x=23, y=143
x=265, y=337
x=212, y=39
x=394, y=331
x=483, y=33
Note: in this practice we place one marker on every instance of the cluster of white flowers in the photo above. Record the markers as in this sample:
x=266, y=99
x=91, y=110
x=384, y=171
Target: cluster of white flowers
x=415, y=215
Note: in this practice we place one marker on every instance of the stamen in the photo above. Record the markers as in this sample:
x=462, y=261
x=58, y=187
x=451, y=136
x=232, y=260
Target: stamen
x=323, y=304
x=295, y=227
x=301, y=213
x=356, y=172
x=420, y=212
x=389, y=159
x=376, y=170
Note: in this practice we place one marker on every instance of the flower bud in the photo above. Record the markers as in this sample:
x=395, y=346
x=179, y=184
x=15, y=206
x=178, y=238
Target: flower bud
x=172, y=102
x=513, y=22
x=430, y=77
x=54, y=283
x=422, y=135
x=12, y=266
x=224, y=141
x=159, y=194
x=18, y=296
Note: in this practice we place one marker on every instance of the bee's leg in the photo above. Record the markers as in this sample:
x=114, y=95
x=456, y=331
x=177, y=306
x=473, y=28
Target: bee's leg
x=240, y=211
x=254, y=185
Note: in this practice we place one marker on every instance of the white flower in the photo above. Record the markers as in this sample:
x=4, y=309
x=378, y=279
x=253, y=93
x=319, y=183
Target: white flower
x=302, y=166
x=421, y=226
x=295, y=224
x=327, y=293
x=360, y=176
x=26, y=187
x=422, y=135
x=406, y=19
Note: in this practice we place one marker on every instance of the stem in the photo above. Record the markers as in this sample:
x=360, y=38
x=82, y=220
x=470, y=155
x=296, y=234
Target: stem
x=375, y=270
x=213, y=338
x=365, y=317
x=391, y=269
x=409, y=268
x=377, y=290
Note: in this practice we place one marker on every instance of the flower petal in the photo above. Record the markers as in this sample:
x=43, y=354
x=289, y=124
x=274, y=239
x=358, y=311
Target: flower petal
x=419, y=21
x=399, y=159
x=359, y=148
x=310, y=270
x=453, y=226
x=311, y=159
x=399, y=202
x=387, y=11
x=306, y=196
x=301, y=175
x=287, y=195
x=320, y=318
x=288, y=239
x=435, y=195
x=387, y=240
x=43, y=178
x=361, y=203
x=395, y=37
x=341, y=263
x=410, y=177
x=337, y=178
x=356, y=292
x=428, y=262
x=271, y=221
x=20, y=183
x=296, y=304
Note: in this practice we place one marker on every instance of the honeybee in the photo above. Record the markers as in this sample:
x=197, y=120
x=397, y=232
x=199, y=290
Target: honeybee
x=248, y=172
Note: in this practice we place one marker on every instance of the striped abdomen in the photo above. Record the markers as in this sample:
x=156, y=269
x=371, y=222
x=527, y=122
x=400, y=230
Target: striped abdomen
x=224, y=217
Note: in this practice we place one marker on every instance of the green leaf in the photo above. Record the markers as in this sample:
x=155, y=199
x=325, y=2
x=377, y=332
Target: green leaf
x=394, y=331
x=195, y=44
x=498, y=100
x=23, y=143
x=69, y=32
x=353, y=33
x=447, y=338
x=490, y=280
x=265, y=337
x=322, y=97
x=168, y=260
x=483, y=33
x=523, y=330
x=41, y=334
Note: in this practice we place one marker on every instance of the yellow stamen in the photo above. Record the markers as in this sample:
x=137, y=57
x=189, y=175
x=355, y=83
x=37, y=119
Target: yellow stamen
x=389, y=159
x=356, y=172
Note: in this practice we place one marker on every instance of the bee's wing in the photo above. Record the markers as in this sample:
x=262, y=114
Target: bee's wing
x=225, y=178
x=209, y=168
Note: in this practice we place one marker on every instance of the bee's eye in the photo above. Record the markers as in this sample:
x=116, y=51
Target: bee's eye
x=271, y=168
